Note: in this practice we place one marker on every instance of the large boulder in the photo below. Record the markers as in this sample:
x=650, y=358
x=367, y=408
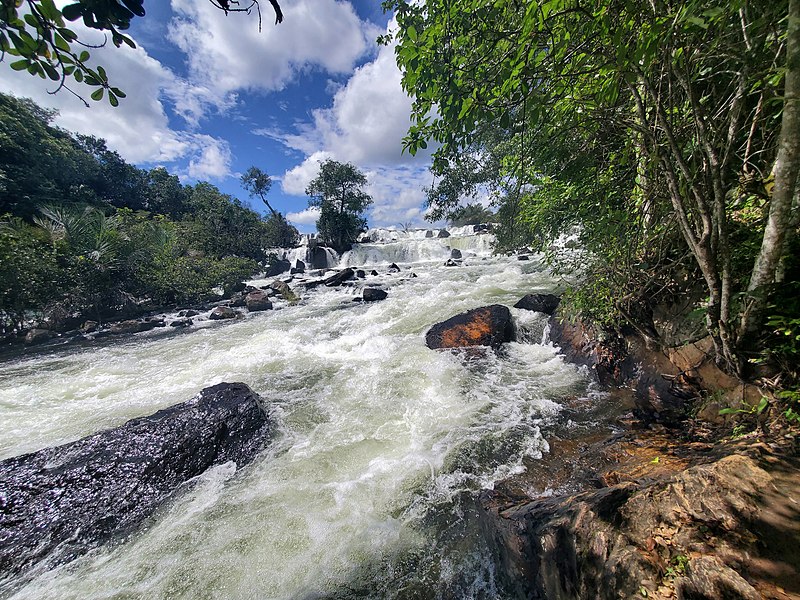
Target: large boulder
x=617, y=542
x=257, y=301
x=319, y=257
x=282, y=288
x=222, y=312
x=278, y=267
x=340, y=277
x=543, y=303
x=443, y=233
x=486, y=326
x=371, y=294
x=60, y=502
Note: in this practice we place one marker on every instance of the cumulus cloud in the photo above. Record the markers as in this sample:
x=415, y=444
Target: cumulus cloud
x=308, y=216
x=296, y=180
x=139, y=129
x=367, y=120
x=229, y=53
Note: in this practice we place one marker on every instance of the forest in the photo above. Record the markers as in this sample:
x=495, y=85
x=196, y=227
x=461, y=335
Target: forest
x=85, y=234
x=665, y=136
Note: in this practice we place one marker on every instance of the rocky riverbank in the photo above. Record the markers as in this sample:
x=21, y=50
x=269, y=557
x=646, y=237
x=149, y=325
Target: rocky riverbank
x=672, y=505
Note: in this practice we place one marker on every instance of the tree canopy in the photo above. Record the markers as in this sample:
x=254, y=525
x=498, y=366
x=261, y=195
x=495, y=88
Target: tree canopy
x=337, y=192
x=666, y=133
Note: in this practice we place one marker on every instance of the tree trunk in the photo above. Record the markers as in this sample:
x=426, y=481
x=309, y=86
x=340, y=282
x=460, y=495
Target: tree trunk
x=787, y=166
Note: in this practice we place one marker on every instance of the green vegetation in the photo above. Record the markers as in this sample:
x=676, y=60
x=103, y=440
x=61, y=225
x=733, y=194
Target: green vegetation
x=336, y=191
x=471, y=214
x=85, y=235
x=664, y=137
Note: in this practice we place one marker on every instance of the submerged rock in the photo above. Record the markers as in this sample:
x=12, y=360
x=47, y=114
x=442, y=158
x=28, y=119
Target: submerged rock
x=134, y=326
x=39, y=336
x=543, y=303
x=455, y=253
x=486, y=326
x=393, y=268
x=60, y=502
x=451, y=263
x=443, y=233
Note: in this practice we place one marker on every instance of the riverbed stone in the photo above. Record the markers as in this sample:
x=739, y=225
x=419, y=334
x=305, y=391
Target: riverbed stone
x=278, y=267
x=257, y=301
x=455, y=254
x=486, y=326
x=58, y=503
x=543, y=303
x=371, y=294
x=222, y=312
x=340, y=277
x=38, y=336
x=135, y=326
x=393, y=268
x=443, y=233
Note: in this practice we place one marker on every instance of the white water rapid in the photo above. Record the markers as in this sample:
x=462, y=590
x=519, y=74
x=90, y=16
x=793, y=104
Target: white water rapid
x=365, y=490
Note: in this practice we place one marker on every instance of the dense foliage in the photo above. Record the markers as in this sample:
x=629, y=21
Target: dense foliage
x=664, y=136
x=336, y=191
x=83, y=234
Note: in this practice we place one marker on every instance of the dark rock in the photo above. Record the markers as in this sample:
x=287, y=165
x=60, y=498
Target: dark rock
x=299, y=266
x=455, y=253
x=543, y=303
x=278, y=267
x=89, y=327
x=429, y=234
x=236, y=287
x=237, y=300
x=374, y=294
x=451, y=263
x=361, y=274
x=486, y=326
x=188, y=313
x=39, y=336
x=319, y=257
x=134, y=326
x=443, y=233
x=58, y=503
x=393, y=268
x=340, y=277
x=257, y=301
x=181, y=323
x=614, y=542
x=282, y=288
x=374, y=273
x=413, y=275
x=364, y=239
x=523, y=257
x=222, y=312
x=156, y=321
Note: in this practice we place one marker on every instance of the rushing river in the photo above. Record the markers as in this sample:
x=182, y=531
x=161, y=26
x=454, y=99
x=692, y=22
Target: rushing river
x=366, y=489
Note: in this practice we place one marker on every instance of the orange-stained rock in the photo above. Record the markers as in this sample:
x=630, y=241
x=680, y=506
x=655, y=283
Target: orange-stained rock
x=485, y=326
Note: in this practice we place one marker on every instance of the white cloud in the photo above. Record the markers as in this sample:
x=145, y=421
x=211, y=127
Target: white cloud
x=229, y=53
x=397, y=195
x=367, y=120
x=308, y=216
x=296, y=180
x=139, y=128
x=213, y=161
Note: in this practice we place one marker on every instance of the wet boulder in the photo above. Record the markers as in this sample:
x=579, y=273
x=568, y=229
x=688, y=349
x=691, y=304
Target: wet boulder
x=135, y=326
x=58, y=503
x=451, y=263
x=455, y=253
x=188, y=313
x=485, y=326
x=278, y=267
x=222, y=312
x=374, y=273
x=340, y=277
x=543, y=303
x=319, y=257
x=443, y=233
x=429, y=233
x=185, y=322
x=237, y=300
x=373, y=294
x=361, y=274
x=393, y=268
x=39, y=336
x=299, y=266
x=257, y=301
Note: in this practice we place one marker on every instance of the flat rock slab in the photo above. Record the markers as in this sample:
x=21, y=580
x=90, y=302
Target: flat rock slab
x=57, y=503
x=485, y=326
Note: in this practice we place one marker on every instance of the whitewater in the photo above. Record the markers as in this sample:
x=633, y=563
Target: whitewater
x=369, y=485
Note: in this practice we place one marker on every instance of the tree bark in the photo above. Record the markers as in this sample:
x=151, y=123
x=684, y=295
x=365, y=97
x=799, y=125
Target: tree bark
x=787, y=166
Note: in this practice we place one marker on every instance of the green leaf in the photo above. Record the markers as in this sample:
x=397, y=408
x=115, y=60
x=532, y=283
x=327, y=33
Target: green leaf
x=83, y=56
x=78, y=75
x=97, y=94
x=112, y=99
x=72, y=12
x=51, y=71
x=411, y=32
x=118, y=92
x=19, y=65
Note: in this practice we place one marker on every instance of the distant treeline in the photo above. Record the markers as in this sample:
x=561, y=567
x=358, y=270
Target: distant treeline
x=84, y=234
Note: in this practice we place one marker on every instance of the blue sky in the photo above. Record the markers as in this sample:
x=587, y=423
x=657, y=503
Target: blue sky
x=208, y=96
